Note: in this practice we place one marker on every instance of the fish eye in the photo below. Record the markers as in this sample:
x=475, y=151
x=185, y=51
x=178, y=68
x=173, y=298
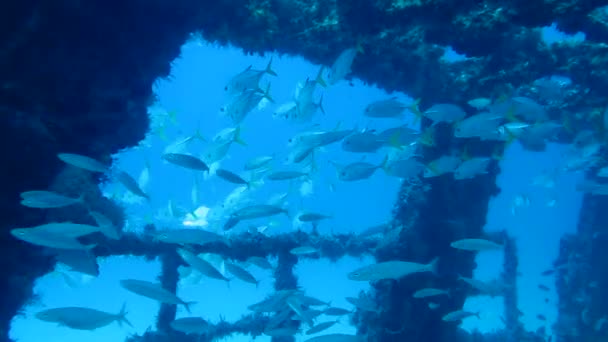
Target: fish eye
x=226, y=88
x=222, y=109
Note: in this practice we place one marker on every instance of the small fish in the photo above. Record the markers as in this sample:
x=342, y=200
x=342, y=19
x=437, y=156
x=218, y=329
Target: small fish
x=317, y=328
x=128, y=182
x=333, y=311
x=230, y=177
x=445, y=112
x=48, y=199
x=433, y=305
x=476, y=245
x=257, y=211
x=82, y=162
x=48, y=239
x=312, y=217
x=520, y=201
x=459, y=315
x=201, y=265
x=258, y=163
x=186, y=161
x=359, y=170
x=391, y=108
x=243, y=103
x=153, y=291
x=363, y=142
x=286, y=175
x=190, y=325
x=248, y=79
x=260, y=262
x=430, y=292
x=484, y=126
x=479, y=103
x=337, y=338
x=68, y=229
x=543, y=287
x=186, y=236
x=303, y=250
x=392, y=270
x=528, y=109
x=471, y=168
x=548, y=272
x=82, y=318
x=342, y=65
x=240, y=273
x=541, y=317
x=406, y=169
x=81, y=261
x=441, y=166
x=107, y=227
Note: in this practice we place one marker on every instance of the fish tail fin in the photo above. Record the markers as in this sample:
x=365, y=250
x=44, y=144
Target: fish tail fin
x=199, y=136
x=320, y=105
x=320, y=79
x=510, y=114
x=269, y=70
x=415, y=110
x=237, y=137
x=90, y=247
x=498, y=154
x=393, y=140
x=110, y=231
x=121, y=317
x=267, y=95
x=187, y=306
x=384, y=162
x=433, y=266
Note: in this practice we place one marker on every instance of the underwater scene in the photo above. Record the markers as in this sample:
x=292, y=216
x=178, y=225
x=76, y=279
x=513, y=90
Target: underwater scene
x=306, y=171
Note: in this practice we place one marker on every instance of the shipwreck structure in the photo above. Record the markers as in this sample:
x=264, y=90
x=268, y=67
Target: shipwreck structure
x=77, y=76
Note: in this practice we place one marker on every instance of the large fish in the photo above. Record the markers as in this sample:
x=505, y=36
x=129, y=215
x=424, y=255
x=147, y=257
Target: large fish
x=82, y=318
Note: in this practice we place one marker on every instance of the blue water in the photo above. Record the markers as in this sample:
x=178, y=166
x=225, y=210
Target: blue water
x=195, y=92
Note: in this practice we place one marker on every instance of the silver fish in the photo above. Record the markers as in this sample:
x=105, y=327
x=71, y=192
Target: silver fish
x=445, y=112
x=391, y=108
x=320, y=327
x=190, y=325
x=430, y=292
x=131, y=184
x=391, y=270
x=186, y=161
x=363, y=142
x=342, y=65
x=47, y=199
x=248, y=79
x=359, y=170
x=201, y=265
x=475, y=245
x=258, y=211
x=337, y=338
x=82, y=162
x=153, y=291
x=260, y=262
x=186, y=236
x=230, y=177
x=48, y=239
x=240, y=273
x=82, y=318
